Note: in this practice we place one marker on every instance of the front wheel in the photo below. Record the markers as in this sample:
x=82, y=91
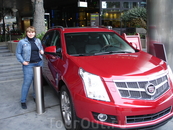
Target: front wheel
x=67, y=110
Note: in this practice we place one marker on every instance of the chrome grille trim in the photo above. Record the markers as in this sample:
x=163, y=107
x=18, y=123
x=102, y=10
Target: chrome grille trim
x=148, y=117
x=135, y=89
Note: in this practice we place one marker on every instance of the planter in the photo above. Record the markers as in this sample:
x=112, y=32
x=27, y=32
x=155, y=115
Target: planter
x=12, y=46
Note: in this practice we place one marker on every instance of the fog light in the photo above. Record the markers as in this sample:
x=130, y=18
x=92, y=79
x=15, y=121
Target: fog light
x=102, y=117
x=105, y=118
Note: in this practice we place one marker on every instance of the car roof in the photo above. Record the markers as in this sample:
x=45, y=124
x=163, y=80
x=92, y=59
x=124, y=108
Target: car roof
x=82, y=29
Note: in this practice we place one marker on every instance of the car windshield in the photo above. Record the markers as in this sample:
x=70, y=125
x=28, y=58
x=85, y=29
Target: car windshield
x=95, y=43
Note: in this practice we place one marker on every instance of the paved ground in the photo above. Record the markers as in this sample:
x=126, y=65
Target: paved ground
x=13, y=117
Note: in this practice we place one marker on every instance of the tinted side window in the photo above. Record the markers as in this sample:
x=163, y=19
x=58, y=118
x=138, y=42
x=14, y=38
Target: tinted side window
x=47, y=39
x=57, y=40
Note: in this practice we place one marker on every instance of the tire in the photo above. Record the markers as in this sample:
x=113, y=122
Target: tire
x=67, y=110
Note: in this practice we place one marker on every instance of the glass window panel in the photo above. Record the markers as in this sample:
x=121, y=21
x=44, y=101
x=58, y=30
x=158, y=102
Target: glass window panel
x=135, y=4
x=130, y=4
x=143, y=4
x=126, y=4
x=111, y=17
x=113, y=4
x=111, y=14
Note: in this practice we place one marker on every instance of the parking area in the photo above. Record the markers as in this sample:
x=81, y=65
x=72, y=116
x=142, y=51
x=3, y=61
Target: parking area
x=13, y=117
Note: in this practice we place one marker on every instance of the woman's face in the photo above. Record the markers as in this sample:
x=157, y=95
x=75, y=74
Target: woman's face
x=30, y=34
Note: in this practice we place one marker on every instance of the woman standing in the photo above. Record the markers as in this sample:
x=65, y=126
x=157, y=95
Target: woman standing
x=28, y=53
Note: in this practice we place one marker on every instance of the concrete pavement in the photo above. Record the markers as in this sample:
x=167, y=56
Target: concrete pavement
x=13, y=117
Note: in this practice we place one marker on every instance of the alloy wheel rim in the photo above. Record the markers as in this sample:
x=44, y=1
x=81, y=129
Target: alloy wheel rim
x=66, y=108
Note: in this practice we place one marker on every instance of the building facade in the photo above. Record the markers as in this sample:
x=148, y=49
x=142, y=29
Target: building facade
x=73, y=13
x=95, y=12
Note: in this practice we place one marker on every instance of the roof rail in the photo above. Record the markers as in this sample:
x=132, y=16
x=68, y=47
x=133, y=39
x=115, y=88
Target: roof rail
x=59, y=27
x=108, y=27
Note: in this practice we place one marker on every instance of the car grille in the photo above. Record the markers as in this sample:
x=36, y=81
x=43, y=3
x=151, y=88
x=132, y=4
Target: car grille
x=137, y=90
x=149, y=117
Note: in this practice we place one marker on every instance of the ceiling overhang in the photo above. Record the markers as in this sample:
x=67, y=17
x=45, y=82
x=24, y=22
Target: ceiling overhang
x=24, y=7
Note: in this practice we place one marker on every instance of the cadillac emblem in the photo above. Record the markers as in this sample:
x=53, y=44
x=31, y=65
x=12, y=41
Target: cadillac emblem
x=150, y=89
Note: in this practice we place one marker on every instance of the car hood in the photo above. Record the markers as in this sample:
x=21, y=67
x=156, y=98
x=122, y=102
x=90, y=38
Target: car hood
x=132, y=64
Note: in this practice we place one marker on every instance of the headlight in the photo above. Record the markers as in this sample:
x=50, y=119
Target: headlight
x=94, y=87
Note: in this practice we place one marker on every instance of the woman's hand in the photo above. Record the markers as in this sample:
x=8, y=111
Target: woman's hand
x=41, y=52
x=25, y=63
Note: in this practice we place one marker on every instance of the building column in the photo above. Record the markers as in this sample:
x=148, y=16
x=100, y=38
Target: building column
x=160, y=26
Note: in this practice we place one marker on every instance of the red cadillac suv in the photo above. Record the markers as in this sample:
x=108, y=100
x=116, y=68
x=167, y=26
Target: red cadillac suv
x=104, y=82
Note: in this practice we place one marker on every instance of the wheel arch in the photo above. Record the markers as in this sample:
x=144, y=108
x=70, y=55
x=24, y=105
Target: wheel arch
x=60, y=84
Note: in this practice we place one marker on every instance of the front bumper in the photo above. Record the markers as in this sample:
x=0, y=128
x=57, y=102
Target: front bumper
x=93, y=126
x=85, y=108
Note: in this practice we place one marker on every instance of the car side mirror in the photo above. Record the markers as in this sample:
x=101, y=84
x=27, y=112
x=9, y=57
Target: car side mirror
x=53, y=51
x=50, y=49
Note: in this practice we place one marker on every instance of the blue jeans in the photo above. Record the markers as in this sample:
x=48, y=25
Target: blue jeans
x=28, y=74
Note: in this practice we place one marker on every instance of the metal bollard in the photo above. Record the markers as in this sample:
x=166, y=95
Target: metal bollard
x=39, y=94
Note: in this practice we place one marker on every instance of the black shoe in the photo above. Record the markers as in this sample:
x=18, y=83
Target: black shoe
x=34, y=99
x=23, y=105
